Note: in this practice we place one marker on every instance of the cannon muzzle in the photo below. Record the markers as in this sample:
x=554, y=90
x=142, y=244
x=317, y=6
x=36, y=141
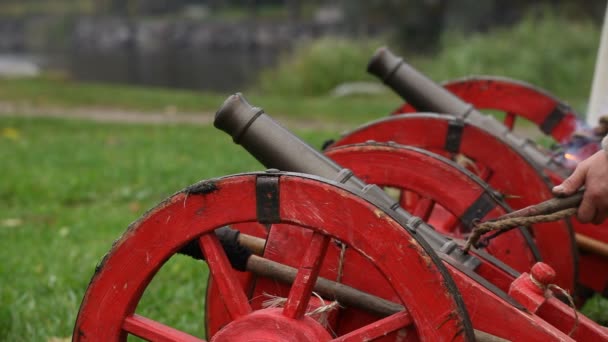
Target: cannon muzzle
x=275, y=146
x=414, y=87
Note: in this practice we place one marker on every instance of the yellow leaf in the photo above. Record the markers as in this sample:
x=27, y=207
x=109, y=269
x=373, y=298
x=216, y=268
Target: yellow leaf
x=11, y=133
x=59, y=339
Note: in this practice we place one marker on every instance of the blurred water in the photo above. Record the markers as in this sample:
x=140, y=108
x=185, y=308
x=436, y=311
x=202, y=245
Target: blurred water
x=223, y=70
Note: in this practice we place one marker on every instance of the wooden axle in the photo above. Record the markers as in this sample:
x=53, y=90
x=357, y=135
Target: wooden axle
x=342, y=293
x=591, y=245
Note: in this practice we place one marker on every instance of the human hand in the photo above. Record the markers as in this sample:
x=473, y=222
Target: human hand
x=593, y=174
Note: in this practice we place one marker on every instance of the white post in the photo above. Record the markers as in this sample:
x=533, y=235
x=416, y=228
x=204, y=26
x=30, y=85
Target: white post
x=598, y=103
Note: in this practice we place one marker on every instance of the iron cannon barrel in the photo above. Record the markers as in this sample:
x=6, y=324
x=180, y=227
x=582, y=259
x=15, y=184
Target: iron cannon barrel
x=414, y=87
x=275, y=146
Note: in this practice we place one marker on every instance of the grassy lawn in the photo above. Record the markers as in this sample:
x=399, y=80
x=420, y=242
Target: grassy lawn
x=70, y=188
x=56, y=92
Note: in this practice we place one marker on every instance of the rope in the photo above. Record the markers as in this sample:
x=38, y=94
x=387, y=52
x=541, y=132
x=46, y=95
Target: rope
x=565, y=293
x=501, y=226
x=321, y=313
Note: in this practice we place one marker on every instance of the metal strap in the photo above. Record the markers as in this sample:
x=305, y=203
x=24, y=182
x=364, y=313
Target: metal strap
x=267, y=199
x=454, y=135
x=479, y=209
x=553, y=118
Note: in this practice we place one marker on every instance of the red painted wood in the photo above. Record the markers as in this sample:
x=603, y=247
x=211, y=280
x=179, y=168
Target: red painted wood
x=519, y=98
x=371, y=236
x=301, y=289
x=270, y=325
x=423, y=174
x=527, y=292
x=408, y=200
x=512, y=175
x=131, y=264
x=509, y=120
x=423, y=209
x=378, y=329
x=154, y=331
x=220, y=269
x=510, y=96
x=492, y=315
x=216, y=315
x=561, y=316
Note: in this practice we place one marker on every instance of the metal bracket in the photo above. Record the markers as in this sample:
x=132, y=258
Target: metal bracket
x=267, y=199
x=553, y=118
x=454, y=135
x=479, y=209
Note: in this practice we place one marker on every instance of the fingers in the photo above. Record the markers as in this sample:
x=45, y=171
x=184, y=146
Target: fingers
x=586, y=211
x=572, y=183
x=600, y=217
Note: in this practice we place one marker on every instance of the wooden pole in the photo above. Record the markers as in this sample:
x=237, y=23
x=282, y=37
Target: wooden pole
x=344, y=294
x=591, y=245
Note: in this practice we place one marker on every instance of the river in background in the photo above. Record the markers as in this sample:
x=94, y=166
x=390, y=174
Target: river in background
x=218, y=56
x=191, y=68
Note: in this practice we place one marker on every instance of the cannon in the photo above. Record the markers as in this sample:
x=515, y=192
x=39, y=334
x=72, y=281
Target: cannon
x=408, y=281
x=542, y=166
x=515, y=99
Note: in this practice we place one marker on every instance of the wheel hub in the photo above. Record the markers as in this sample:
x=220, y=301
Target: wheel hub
x=270, y=325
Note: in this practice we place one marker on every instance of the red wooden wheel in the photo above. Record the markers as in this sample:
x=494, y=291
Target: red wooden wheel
x=502, y=166
x=514, y=98
x=322, y=211
x=440, y=192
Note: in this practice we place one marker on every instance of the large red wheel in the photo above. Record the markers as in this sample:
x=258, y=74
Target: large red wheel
x=497, y=162
x=514, y=98
x=323, y=211
x=422, y=174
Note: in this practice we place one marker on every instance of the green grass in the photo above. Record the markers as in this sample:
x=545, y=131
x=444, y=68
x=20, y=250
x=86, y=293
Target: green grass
x=59, y=92
x=70, y=188
x=546, y=50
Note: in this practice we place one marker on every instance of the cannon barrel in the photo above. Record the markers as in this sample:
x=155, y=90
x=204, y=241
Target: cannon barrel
x=273, y=145
x=414, y=87
x=426, y=95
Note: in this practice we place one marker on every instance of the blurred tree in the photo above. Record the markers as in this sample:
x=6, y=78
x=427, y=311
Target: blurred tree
x=415, y=24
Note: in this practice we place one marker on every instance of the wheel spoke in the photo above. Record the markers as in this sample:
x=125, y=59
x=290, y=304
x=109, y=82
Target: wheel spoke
x=424, y=208
x=154, y=331
x=378, y=329
x=486, y=174
x=223, y=275
x=408, y=200
x=300, y=292
x=449, y=224
x=510, y=120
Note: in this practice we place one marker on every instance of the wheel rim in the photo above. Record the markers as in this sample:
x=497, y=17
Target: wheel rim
x=515, y=99
x=496, y=162
x=450, y=194
x=108, y=309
